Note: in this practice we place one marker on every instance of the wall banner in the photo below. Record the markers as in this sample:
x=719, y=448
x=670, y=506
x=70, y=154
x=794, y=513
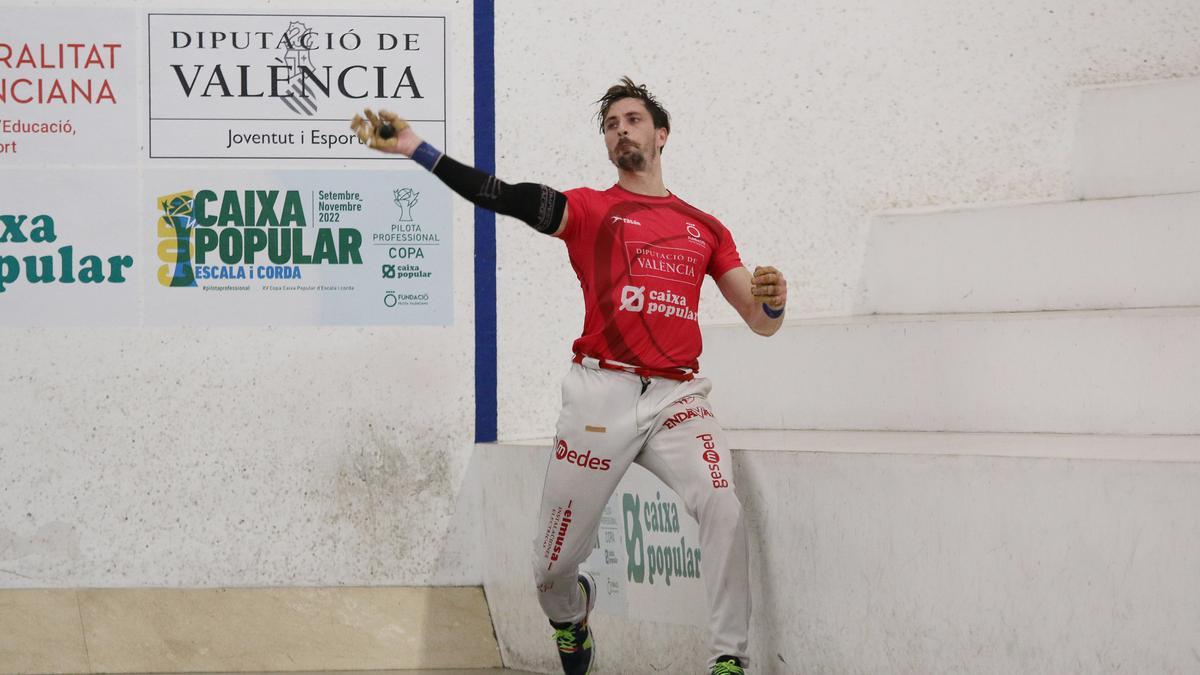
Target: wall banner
x=67, y=257
x=296, y=243
x=294, y=247
x=67, y=86
x=284, y=86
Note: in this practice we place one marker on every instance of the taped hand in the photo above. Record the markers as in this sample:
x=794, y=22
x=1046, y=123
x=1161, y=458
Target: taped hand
x=386, y=132
x=768, y=285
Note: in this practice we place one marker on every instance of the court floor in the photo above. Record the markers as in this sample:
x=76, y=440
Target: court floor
x=442, y=671
x=480, y=671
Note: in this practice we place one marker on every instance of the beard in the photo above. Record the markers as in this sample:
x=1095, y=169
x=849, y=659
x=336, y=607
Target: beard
x=630, y=158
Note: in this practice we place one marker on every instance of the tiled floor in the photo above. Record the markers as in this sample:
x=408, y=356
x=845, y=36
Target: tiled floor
x=479, y=671
x=298, y=630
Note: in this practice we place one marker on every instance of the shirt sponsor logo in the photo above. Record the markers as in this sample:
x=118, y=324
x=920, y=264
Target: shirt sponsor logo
x=627, y=221
x=633, y=298
x=670, y=305
x=664, y=262
x=694, y=235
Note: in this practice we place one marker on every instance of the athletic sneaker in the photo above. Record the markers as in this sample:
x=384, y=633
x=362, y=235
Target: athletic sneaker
x=575, y=647
x=728, y=665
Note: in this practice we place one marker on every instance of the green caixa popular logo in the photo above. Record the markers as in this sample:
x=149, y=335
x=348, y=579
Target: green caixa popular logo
x=655, y=549
x=244, y=234
x=23, y=233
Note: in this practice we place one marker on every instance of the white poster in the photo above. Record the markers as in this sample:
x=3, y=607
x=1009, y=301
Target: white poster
x=285, y=86
x=297, y=242
x=70, y=254
x=298, y=247
x=68, y=90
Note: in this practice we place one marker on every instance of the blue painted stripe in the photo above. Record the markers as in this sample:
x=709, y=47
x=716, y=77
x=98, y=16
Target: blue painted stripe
x=485, y=226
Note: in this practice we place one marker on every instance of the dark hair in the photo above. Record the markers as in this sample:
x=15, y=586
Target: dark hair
x=627, y=89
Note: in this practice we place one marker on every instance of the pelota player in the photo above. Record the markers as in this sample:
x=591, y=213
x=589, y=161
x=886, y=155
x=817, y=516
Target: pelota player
x=633, y=392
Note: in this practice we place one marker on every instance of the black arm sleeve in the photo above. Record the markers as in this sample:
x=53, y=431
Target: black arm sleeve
x=538, y=205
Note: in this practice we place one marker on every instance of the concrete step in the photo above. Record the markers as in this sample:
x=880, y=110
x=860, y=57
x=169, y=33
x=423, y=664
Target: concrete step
x=907, y=553
x=1140, y=139
x=173, y=630
x=1095, y=372
x=1119, y=253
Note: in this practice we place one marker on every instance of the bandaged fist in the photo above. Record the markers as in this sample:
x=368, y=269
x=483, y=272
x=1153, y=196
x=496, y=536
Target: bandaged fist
x=386, y=132
x=769, y=286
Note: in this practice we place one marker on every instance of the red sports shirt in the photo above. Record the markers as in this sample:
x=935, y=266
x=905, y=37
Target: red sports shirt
x=640, y=261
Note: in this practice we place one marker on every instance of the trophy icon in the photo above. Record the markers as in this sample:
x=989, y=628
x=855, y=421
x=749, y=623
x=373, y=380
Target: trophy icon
x=176, y=222
x=406, y=199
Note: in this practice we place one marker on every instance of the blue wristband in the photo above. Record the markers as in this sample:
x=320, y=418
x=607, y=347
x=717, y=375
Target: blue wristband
x=773, y=313
x=427, y=155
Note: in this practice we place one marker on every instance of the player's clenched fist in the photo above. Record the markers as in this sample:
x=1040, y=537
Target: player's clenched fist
x=386, y=132
x=769, y=286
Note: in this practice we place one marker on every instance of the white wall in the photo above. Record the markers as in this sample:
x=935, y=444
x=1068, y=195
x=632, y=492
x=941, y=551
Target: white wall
x=793, y=122
x=885, y=553
x=246, y=456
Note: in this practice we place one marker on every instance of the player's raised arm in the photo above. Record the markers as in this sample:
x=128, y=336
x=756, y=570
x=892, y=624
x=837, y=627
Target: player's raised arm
x=759, y=299
x=542, y=207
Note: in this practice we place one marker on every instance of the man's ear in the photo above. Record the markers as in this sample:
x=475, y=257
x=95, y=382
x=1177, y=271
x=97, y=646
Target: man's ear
x=662, y=134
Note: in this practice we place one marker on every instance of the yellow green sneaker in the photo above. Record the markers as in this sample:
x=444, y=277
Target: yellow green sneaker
x=728, y=665
x=575, y=647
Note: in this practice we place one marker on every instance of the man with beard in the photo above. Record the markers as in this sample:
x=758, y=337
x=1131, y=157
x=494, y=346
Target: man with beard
x=633, y=392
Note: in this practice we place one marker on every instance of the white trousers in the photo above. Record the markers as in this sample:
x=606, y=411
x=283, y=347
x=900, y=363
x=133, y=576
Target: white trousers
x=609, y=419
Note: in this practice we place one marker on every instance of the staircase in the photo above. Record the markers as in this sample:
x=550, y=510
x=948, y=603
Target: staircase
x=996, y=466
x=993, y=467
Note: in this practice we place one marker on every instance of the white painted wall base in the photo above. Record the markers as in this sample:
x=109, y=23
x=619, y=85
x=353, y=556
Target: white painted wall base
x=916, y=553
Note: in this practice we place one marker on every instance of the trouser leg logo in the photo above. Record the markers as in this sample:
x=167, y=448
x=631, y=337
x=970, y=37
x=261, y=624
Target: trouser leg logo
x=563, y=525
x=563, y=453
x=713, y=459
x=556, y=532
